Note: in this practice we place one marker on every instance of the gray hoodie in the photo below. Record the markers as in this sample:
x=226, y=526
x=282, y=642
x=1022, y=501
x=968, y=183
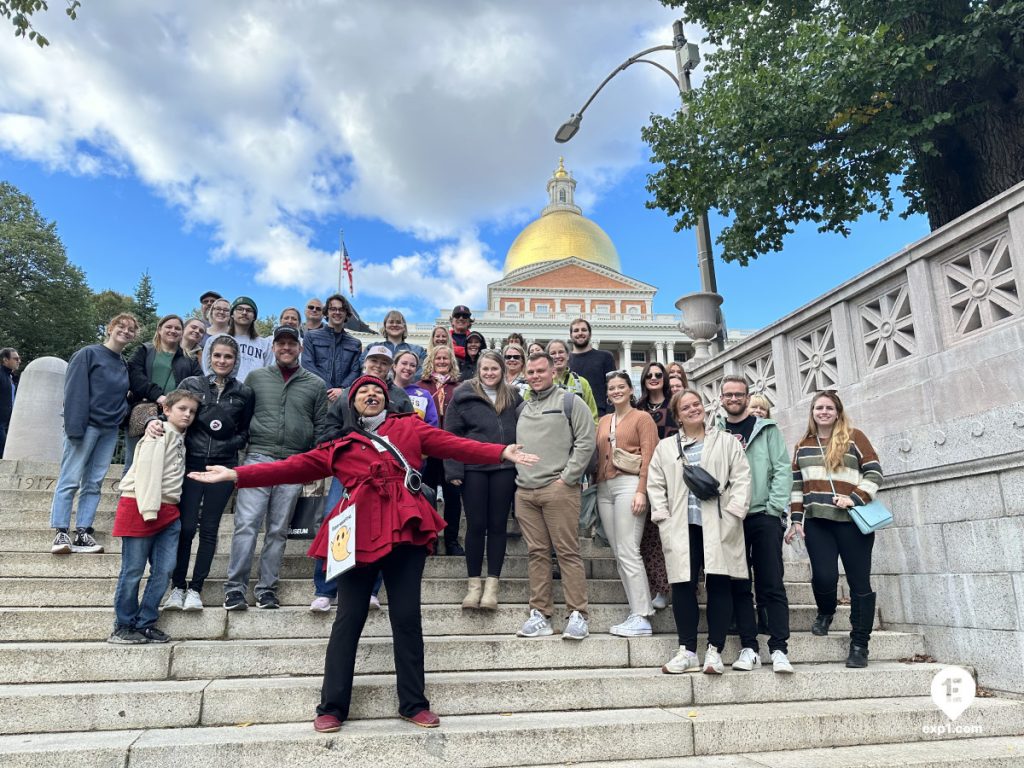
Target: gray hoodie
x=564, y=450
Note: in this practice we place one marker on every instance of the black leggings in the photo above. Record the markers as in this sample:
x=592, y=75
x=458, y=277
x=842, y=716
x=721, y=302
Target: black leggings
x=403, y=574
x=201, y=507
x=724, y=594
x=433, y=475
x=487, y=499
x=827, y=541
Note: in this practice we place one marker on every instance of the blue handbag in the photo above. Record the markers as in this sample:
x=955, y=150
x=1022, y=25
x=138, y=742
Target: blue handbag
x=871, y=517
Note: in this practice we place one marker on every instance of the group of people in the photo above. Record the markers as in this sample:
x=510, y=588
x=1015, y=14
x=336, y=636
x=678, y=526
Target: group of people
x=520, y=429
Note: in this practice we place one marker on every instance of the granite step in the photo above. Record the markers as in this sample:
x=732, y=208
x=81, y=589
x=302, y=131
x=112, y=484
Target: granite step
x=79, y=624
x=188, y=703
x=530, y=738
x=205, y=659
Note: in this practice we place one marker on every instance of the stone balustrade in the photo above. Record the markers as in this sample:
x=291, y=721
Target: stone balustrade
x=926, y=350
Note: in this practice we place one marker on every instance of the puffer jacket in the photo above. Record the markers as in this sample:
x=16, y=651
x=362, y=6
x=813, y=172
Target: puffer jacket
x=474, y=416
x=140, y=372
x=221, y=426
x=289, y=416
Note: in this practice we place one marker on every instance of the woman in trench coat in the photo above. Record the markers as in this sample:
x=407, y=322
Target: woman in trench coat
x=696, y=534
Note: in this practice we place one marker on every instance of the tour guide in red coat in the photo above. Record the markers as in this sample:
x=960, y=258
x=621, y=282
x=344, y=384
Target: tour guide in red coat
x=395, y=530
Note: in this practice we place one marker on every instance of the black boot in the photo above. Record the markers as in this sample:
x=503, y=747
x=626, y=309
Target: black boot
x=454, y=548
x=826, y=602
x=862, y=617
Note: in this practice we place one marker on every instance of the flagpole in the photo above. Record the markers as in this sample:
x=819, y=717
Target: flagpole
x=341, y=255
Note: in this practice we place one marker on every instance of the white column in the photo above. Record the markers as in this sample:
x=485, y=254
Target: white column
x=626, y=363
x=659, y=352
x=670, y=352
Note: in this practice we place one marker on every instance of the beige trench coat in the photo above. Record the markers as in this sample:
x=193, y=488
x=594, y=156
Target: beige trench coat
x=724, y=547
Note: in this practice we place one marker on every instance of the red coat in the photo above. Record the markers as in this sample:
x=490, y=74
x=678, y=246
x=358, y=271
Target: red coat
x=386, y=513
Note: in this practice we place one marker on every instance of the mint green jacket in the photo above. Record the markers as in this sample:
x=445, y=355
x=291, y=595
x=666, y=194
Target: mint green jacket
x=771, y=476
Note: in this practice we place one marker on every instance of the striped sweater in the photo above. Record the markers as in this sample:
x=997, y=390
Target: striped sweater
x=858, y=478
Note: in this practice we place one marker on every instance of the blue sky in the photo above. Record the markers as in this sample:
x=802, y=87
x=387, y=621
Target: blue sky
x=224, y=149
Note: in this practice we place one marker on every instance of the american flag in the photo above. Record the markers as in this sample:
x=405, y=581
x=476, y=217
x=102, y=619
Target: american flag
x=346, y=266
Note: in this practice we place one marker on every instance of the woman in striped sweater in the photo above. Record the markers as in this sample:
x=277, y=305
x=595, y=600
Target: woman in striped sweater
x=835, y=468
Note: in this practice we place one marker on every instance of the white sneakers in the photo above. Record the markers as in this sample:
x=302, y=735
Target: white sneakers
x=576, y=627
x=175, y=601
x=659, y=602
x=193, y=601
x=713, y=662
x=780, y=663
x=683, y=661
x=748, y=660
x=536, y=626
x=633, y=626
x=320, y=604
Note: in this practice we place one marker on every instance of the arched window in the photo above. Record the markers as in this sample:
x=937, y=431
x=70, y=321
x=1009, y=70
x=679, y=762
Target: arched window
x=561, y=195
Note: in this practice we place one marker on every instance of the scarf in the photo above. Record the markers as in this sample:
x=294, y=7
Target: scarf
x=372, y=423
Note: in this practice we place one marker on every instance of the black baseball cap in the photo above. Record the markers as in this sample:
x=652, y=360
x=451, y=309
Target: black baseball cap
x=210, y=295
x=462, y=309
x=283, y=331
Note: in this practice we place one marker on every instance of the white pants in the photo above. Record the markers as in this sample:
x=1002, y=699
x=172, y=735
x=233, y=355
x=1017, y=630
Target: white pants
x=624, y=531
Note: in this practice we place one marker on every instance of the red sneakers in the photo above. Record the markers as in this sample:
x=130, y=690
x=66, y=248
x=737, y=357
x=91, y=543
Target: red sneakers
x=327, y=724
x=424, y=719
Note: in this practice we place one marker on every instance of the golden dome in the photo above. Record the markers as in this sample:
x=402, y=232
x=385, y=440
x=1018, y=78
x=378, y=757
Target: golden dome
x=562, y=234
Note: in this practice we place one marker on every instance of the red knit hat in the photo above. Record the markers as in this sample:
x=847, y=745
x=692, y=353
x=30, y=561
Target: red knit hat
x=363, y=381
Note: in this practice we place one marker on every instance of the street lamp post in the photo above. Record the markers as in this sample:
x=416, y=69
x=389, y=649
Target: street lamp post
x=687, y=57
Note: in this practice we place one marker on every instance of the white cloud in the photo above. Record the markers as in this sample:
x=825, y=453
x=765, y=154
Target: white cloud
x=264, y=119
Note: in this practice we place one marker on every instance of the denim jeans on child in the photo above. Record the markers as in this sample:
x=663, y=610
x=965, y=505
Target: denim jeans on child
x=161, y=552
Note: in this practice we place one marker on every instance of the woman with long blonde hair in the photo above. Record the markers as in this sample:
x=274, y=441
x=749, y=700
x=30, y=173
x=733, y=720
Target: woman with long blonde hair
x=835, y=468
x=484, y=409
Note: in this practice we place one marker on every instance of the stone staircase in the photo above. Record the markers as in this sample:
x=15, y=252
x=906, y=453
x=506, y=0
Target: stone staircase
x=240, y=688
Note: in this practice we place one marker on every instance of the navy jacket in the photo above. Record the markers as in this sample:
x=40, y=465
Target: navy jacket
x=334, y=357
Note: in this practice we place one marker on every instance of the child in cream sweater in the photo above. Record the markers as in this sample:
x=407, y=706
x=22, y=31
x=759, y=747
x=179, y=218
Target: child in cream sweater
x=147, y=522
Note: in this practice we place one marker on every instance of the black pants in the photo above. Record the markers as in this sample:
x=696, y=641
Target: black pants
x=201, y=507
x=724, y=594
x=827, y=541
x=764, y=534
x=487, y=498
x=433, y=475
x=403, y=574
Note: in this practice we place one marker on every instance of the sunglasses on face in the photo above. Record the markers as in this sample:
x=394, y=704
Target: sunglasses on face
x=314, y=308
x=461, y=316
x=513, y=357
x=655, y=376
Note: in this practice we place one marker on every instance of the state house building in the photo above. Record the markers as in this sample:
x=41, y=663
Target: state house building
x=563, y=266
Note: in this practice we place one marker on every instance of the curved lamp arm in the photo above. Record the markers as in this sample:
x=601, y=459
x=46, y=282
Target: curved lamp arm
x=569, y=128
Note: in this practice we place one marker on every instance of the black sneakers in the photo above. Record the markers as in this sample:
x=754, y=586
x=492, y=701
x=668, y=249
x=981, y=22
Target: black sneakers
x=154, y=635
x=84, y=543
x=61, y=543
x=267, y=600
x=235, y=601
x=127, y=636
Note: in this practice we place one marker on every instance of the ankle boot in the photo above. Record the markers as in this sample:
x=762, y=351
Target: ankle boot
x=826, y=602
x=489, y=601
x=862, y=617
x=475, y=588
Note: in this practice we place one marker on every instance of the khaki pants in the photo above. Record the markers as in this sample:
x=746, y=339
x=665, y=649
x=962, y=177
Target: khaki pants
x=549, y=517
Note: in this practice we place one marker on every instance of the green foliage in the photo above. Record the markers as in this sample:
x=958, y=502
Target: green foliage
x=265, y=326
x=810, y=110
x=19, y=11
x=46, y=308
x=107, y=304
x=144, y=308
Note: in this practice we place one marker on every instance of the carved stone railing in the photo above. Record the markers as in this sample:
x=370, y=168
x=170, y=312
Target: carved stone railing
x=926, y=350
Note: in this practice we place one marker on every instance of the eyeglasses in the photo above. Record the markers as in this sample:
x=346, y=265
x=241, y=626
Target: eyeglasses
x=245, y=310
x=314, y=308
x=610, y=374
x=654, y=376
x=734, y=395
x=221, y=309
x=513, y=357
x=334, y=310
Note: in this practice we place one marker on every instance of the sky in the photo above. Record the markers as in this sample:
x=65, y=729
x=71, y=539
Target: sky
x=226, y=146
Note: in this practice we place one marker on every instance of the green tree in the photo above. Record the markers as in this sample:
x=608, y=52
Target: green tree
x=20, y=11
x=107, y=304
x=45, y=306
x=266, y=325
x=144, y=308
x=813, y=111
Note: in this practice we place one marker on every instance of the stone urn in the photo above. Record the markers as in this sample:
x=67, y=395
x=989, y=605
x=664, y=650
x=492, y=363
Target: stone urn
x=700, y=321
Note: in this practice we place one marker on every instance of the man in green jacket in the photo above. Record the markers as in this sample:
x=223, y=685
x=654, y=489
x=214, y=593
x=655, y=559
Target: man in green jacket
x=290, y=417
x=771, y=480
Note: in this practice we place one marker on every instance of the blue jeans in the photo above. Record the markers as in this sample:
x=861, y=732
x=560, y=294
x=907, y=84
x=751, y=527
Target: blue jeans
x=320, y=586
x=83, y=466
x=161, y=551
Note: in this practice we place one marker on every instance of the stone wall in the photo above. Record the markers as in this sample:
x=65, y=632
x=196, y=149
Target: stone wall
x=926, y=349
